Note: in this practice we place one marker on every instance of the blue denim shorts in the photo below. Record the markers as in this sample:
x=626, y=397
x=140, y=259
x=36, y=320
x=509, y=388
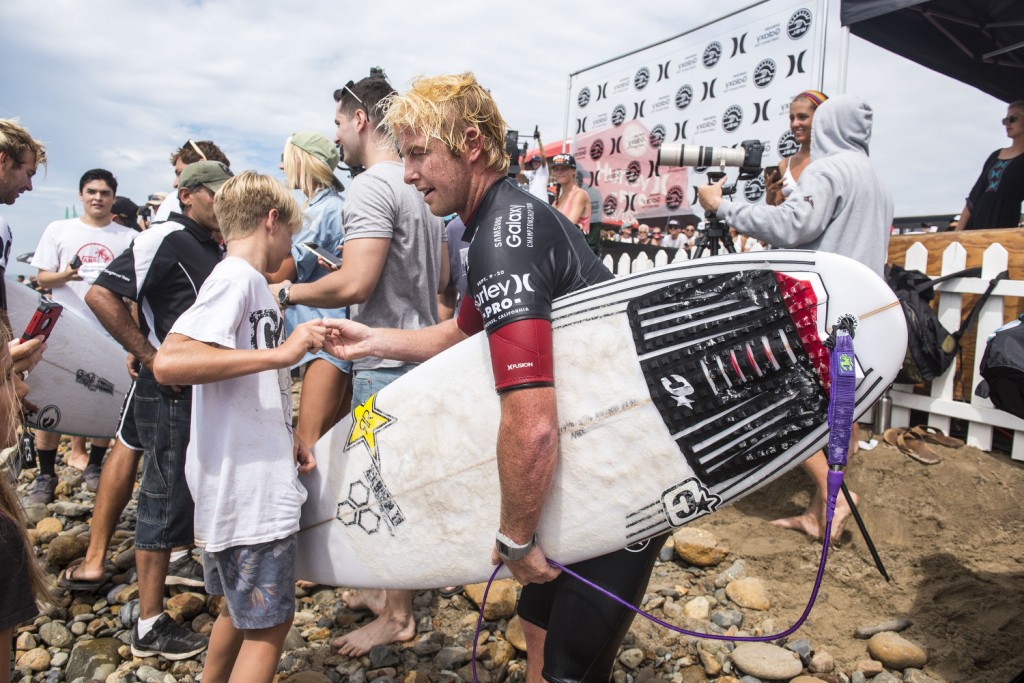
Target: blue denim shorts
x=163, y=419
x=257, y=581
x=366, y=383
x=127, y=432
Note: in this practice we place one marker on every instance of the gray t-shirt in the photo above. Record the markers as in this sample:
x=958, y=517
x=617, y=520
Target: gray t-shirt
x=379, y=204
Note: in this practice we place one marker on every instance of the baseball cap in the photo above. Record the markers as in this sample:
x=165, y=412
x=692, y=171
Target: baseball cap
x=156, y=199
x=673, y=223
x=563, y=160
x=209, y=174
x=125, y=208
x=317, y=145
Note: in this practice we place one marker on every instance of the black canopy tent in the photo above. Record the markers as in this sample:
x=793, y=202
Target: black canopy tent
x=978, y=42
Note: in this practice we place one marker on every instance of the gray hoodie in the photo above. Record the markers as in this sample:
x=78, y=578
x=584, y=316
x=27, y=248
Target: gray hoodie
x=839, y=204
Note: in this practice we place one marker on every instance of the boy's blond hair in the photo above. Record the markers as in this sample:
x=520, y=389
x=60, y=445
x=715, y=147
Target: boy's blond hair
x=246, y=199
x=443, y=107
x=15, y=140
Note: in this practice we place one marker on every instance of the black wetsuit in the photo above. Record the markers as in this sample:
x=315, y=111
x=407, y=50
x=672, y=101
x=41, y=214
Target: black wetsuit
x=523, y=255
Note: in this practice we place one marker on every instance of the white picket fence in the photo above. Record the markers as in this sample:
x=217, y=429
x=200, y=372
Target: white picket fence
x=625, y=265
x=939, y=404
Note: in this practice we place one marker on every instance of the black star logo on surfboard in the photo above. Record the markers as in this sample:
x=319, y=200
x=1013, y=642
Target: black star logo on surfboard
x=367, y=420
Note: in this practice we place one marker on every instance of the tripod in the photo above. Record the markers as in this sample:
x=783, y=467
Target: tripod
x=715, y=235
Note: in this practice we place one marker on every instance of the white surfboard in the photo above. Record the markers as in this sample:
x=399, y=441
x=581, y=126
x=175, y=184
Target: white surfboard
x=80, y=384
x=680, y=390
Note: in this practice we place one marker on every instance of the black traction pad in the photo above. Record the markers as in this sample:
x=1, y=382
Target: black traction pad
x=726, y=370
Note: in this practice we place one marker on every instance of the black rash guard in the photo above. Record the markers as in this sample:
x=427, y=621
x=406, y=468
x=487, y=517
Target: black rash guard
x=523, y=254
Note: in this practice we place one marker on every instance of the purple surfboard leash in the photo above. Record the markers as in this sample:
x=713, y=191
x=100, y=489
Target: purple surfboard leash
x=842, y=396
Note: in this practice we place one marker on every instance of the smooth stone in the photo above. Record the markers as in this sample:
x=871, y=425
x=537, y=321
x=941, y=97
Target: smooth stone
x=125, y=559
x=69, y=509
x=514, y=633
x=451, y=657
x=303, y=619
x=749, y=592
x=727, y=617
x=148, y=674
x=668, y=551
x=886, y=677
x=501, y=599
x=869, y=667
x=383, y=656
x=858, y=677
x=25, y=641
x=736, y=570
x=309, y=677
x=765, y=660
x=673, y=610
x=79, y=627
x=896, y=625
x=821, y=663
x=186, y=605
x=97, y=658
x=60, y=659
x=498, y=652
x=36, y=659
x=699, y=608
x=49, y=525
x=56, y=634
x=896, y=652
x=698, y=547
x=712, y=667
x=429, y=644
x=689, y=674
x=36, y=513
x=129, y=614
x=66, y=548
x=415, y=677
x=632, y=657
x=917, y=676
x=294, y=640
x=802, y=647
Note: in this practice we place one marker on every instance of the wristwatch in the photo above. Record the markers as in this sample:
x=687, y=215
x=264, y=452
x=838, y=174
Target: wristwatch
x=509, y=550
x=282, y=296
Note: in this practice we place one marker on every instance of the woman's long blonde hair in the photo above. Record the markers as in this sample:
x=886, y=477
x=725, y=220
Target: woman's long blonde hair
x=306, y=173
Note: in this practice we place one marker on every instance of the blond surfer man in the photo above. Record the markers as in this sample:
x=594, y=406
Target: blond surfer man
x=451, y=134
x=390, y=275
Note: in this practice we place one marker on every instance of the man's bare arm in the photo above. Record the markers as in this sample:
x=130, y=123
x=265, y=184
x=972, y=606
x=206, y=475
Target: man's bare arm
x=350, y=340
x=353, y=283
x=116, y=318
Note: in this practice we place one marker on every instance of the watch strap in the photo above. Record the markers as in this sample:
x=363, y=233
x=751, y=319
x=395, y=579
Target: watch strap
x=510, y=550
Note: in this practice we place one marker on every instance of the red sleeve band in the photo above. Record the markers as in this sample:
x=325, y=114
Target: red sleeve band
x=469, y=319
x=521, y=355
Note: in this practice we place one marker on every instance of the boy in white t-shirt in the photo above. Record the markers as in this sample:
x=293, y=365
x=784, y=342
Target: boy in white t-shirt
x=242, y=460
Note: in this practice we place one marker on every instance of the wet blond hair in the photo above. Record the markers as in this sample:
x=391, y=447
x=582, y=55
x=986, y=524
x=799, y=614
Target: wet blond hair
x=15, y=140
x=246, y=199
x=11, y=511
x=306, y=173
x=443, y=108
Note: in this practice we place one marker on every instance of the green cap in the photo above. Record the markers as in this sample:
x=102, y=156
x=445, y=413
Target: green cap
x=209, y=174
x=317, y=145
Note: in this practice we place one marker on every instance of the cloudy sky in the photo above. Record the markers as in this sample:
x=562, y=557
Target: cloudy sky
x=120, y=84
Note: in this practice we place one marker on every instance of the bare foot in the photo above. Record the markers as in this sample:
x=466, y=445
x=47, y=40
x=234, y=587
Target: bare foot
x=383, y=630
x=372, y=600
x=812, y=521
x=77, y=460
x=302, y=583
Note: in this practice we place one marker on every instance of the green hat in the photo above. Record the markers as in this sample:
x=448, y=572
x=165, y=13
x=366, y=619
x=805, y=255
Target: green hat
x=209, y=174
x=317, y=145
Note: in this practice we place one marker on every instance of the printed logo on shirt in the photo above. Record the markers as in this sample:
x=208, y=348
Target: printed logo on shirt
x=95, y=254
x=499, y=293
x=266, y=329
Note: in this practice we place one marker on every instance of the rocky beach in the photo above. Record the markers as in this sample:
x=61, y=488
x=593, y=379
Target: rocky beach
x=949, y=536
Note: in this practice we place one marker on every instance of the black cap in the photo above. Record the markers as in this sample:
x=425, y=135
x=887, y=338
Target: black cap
x=566, y=160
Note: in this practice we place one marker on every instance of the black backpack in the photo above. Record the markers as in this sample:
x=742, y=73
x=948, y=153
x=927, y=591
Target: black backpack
x=931, y=348
x=1002, y=367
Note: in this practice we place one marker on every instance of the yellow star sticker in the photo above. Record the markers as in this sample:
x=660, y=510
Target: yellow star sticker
x=366, y=422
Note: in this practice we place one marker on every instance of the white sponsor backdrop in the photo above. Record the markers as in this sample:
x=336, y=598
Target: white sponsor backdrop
x=718, y=85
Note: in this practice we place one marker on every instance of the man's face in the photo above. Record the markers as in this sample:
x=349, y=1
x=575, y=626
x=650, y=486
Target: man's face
x=198, y=203
x=347, y=135
x=431, y=168
x=97, y=200
x=16, y=175
x=179, y=166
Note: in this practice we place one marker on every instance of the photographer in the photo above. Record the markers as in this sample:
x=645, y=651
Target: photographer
x=537, y=171
x=839, y=205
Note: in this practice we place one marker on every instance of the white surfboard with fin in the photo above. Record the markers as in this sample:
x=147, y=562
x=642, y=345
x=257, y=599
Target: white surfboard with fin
x=680, y=390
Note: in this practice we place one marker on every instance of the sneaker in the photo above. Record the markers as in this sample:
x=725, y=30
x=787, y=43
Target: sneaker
x=91, y=476
x=184, y=572
x=41, y=491
x=168, y=639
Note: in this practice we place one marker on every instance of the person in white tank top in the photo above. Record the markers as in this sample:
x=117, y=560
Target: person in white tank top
x=801, y=113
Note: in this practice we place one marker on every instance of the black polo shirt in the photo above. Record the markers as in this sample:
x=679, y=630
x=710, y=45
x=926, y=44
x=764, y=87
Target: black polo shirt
x=162, y=271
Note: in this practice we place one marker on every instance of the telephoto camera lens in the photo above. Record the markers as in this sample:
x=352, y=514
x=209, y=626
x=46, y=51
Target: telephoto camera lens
x=698, y=155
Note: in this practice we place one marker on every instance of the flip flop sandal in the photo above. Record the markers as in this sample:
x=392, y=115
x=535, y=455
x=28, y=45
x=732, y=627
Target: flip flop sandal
x=450, y=591
x=891, y=436
x=69, y=582
x=936, y=436
x=913, y=445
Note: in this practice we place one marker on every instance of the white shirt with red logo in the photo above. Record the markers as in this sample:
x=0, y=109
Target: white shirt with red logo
x=63, y=240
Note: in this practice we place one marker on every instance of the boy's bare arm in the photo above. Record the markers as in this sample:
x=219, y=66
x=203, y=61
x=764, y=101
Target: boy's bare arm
x=183, y=360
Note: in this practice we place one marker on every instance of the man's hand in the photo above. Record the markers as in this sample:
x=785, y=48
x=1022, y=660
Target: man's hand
x=533, y=568
x=277, y=287
x=710, y=196
x=304, y=457
x=26, y=355
x=348, y=340
x=133, y=365
x=305, y=338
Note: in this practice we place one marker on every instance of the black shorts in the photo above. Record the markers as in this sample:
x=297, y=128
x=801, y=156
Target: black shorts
x=585, y=628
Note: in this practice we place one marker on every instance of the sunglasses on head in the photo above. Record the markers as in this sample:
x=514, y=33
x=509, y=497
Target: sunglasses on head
x=196, y=148
x=1012, y=118
x=348, y=87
